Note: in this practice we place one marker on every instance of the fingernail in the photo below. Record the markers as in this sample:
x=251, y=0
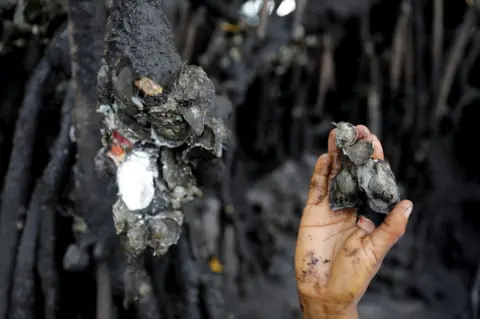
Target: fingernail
x=408, y=210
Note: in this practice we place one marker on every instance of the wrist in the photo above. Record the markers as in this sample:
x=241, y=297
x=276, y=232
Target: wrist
x=325, y=312
x=319, y=310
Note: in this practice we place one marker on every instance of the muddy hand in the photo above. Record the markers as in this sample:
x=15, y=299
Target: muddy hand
x=337, y=256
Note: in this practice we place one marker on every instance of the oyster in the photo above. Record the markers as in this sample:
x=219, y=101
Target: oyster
x=343, y=191
x=378, y=182
x=364, y=181
x=346, y=134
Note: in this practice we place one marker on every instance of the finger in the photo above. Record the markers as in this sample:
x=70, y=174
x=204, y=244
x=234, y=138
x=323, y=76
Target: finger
x=332, y=142
x=362, y=131
x=392, y=228
x=335, y=166
x=319, y=181
x=334, y=153
x=365, y=227
x=377, y=146
x=366, y=224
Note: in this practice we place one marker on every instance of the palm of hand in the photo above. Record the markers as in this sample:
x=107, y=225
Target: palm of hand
x=332, y=262
x=337, y=253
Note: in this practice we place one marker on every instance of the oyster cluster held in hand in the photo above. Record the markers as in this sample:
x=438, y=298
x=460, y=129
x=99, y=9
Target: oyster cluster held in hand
x=363, y=181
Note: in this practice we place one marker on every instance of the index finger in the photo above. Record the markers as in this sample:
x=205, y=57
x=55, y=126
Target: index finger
x=319, y=181
x=377, y=146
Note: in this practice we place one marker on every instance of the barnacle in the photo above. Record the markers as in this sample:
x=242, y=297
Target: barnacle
x=364, y=181
x=346, y=134
x=343, y=191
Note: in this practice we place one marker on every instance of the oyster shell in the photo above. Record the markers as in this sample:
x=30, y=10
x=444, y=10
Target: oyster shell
x=346, y=134
x=364, y=181
x=343, y=191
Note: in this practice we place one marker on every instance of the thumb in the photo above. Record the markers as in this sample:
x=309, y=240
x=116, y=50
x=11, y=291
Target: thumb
x=392, y=228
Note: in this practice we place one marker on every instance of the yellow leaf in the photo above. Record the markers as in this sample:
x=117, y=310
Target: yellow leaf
x=225, y=26
x=215, y=265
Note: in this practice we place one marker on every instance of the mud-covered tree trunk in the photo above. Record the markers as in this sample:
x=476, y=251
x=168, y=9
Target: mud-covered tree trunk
x=86, y=28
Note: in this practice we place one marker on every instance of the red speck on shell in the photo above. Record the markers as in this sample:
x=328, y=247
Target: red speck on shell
x=120, y=140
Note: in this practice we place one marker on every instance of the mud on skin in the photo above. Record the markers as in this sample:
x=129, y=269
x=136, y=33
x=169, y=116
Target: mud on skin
x=363, y=181
x=311, y=273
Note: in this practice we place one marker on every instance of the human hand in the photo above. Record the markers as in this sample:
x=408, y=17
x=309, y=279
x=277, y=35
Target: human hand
x=337, y=256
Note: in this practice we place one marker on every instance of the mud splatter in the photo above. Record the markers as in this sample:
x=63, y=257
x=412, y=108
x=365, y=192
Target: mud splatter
x=356, y=260
x=310, y=258
x=327, y=275
x=350, y=252
x=318, y=284
x=310, y=273
x=305, y=275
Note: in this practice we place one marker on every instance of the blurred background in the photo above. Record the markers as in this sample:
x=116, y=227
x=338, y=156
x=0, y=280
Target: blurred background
x=404, y=68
